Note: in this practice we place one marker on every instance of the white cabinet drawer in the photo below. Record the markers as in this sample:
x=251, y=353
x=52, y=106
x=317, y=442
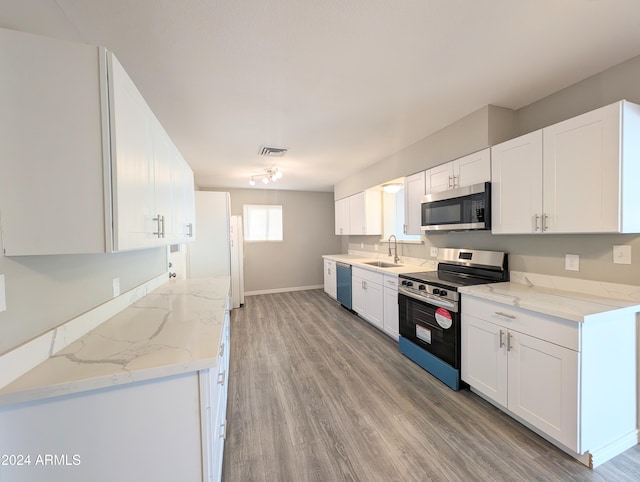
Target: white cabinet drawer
x=554, y=330
x=391, y=281
x=367, y=275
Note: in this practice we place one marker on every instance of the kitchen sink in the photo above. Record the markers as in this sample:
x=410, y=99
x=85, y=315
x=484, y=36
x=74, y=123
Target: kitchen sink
x=382, y=264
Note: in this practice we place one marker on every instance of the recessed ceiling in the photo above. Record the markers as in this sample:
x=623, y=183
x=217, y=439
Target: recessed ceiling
x=341, y=83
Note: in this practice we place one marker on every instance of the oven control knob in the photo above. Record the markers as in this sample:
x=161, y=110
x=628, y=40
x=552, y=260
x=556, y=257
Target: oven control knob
x=422, y=287
x=443, y=293
x=436, y=291
x=407, y=283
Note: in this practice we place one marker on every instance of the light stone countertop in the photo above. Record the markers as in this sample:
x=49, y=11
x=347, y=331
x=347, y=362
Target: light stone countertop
x=172, y=330
x=569, y=305
x=360, y=262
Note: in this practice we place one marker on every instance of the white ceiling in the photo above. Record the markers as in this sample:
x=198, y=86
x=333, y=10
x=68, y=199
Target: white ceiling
x=342, y=83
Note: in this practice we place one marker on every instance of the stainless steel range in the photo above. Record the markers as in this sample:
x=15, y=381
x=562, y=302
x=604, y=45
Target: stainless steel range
x=429, y=308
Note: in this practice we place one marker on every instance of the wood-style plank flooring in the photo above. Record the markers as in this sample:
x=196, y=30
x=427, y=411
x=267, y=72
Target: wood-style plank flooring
x=318, y=394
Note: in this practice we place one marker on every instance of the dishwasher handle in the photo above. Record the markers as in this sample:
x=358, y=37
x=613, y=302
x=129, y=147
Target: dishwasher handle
x=343, y=266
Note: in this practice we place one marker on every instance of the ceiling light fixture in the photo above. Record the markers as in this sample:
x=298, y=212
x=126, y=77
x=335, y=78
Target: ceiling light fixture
x=271, y=174
x=392, y=188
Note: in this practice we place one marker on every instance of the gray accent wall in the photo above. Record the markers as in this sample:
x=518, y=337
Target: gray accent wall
x=534, y=253
x=296, y=262
x=44, y=292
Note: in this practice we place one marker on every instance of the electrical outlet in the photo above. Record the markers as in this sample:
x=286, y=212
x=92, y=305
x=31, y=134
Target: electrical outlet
x=3, y=299
x=434, y=252
x=116, y=287
x=572, y=262
x=622, y=254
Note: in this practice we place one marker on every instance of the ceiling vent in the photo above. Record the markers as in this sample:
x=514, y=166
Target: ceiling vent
x=270, y=151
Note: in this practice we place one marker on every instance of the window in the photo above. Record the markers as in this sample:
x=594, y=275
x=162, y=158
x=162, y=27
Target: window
x=393, y=216
x=262, y=222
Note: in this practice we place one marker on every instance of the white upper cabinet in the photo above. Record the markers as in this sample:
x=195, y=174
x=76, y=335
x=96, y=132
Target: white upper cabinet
x=572, y=177
x=102, y=168
x=342, y=216
x=414, y=189
x=365, y=213
x=465, y=171
x=359, y=214
x=51, y=146
x=516, y=185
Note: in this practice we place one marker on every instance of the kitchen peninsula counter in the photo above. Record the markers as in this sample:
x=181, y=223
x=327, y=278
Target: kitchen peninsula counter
x=172, y=330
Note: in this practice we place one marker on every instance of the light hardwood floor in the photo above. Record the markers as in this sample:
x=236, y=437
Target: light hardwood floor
x=318, y=394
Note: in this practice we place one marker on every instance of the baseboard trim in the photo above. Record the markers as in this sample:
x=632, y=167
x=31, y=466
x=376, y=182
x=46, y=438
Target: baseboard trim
x=283, y=290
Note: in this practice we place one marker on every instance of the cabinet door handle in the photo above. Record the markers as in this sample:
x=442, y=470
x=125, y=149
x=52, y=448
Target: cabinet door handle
x=537, y=222
x=450, y=185
x=221, y=350
x=221, y=376
x=223, y=430
x=506, y=315
x=508, y=341
x=158, y=231
x=404, y=228
x=454, y=181
x=190, y=231
x=544, y=222
x=501, y=339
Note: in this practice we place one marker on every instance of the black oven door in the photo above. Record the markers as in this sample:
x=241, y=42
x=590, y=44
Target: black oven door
x=435, y=329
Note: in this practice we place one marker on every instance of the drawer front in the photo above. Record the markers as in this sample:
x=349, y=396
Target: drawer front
x=367, y=275
x=550, y=328
x=391, y=281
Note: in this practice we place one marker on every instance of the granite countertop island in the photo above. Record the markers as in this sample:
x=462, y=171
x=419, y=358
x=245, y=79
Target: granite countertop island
x=172, y=330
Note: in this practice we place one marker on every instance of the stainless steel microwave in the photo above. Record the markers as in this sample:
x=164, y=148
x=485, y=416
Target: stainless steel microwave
x=462, y=209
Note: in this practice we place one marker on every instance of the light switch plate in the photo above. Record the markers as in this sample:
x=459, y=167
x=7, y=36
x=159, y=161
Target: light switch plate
x=622, y=254
x=116, y=287
x=434, y=252
x=3, y=299
x=572, y=262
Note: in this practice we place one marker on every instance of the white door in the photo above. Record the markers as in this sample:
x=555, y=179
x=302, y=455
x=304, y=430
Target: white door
x=484, y=358
x=543, y=386
x=581, y=172
x=358, y=302
x=391, y=312
x=374, y=301
x=516, y=185
x=441, y=177
x=131, y=145
x=472, y=169
x=414, y=189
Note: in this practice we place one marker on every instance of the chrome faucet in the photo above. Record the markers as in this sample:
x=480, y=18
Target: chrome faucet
x=395, y=247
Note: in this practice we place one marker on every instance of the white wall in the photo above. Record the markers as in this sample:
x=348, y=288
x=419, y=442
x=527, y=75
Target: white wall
x=296, y=262
x=46, y=291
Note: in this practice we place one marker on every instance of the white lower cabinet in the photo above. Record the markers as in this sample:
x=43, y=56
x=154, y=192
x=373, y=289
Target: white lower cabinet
x=165, y=429
x=390, y=322
x=534, y=379
x=367, y=295
x=330, y=278
x=561, y=377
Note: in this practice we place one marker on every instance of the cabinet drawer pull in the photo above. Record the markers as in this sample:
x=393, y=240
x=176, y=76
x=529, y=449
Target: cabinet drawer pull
x=221, y=377
x=506, y=315
x=501, y=339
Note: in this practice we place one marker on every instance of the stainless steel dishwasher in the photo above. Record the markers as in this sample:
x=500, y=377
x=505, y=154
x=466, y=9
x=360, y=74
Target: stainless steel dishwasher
x=344, y=284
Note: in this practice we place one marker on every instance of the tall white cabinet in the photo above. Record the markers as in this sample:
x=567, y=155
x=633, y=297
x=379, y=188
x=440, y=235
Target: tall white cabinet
x=576, y=176
x=87, y=166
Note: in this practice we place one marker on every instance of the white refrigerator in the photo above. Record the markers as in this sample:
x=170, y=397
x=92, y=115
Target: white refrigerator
x=218, y=248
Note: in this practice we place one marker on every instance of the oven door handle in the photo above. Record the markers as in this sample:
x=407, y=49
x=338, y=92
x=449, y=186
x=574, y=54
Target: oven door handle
x=430, y=300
